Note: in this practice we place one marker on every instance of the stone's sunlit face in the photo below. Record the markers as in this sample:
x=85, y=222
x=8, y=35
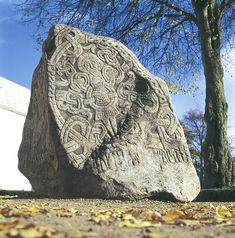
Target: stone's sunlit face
x=106, y=128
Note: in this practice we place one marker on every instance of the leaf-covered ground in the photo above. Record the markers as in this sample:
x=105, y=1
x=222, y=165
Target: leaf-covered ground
x=60, y=218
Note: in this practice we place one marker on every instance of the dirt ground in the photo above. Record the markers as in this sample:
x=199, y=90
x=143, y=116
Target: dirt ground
x=69, y=218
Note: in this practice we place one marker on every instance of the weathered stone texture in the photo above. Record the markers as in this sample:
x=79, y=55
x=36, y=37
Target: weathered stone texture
x=100, y=125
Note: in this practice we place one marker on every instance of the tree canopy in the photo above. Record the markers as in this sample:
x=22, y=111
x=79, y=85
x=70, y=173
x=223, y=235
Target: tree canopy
x=167, y=29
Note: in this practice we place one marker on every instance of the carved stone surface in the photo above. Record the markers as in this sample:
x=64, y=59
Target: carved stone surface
x=100, y=125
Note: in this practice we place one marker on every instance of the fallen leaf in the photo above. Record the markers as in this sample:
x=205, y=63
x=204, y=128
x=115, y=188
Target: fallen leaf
x=14, y=229
x=135, y=223
x=222, y=212
x=14, y=212
x=36, y=209
x=62, y=212
x=158, y=235
x=27, y=233
x=100, y=218
x=8, y=225
x=84, y=234
x=105, y=215
x=130, y=217
x=172, y=215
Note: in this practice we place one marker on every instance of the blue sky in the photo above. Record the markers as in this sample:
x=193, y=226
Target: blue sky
x=18, y=54
x=19, y=57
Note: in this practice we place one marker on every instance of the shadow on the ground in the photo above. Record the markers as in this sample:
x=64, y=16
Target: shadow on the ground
x=216, y=195
x=206, y=195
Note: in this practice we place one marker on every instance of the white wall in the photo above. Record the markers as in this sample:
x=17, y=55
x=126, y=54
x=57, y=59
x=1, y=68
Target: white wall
x=11, y=126
x=14, y=101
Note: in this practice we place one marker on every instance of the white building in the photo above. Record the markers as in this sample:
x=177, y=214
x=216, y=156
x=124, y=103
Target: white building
x=14, y=101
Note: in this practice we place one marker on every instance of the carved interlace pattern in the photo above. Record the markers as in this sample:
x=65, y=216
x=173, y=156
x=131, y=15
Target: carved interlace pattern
x=104, y=102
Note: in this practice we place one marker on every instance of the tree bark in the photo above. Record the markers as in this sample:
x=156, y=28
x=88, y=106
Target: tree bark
x=219, y=167
x=201, y=164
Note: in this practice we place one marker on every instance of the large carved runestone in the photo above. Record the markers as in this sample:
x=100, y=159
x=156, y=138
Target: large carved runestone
x=100, y=125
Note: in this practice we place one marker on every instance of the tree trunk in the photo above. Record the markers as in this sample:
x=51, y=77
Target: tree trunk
x=201, y=164
x=219, y=167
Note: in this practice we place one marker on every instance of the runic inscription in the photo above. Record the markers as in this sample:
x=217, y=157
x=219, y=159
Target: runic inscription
x=104, y=115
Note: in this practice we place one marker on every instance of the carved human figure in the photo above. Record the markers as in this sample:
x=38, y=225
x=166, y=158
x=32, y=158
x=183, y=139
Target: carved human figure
x=100, y=95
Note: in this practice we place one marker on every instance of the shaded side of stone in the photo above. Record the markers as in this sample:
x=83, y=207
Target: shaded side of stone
x=38, y=152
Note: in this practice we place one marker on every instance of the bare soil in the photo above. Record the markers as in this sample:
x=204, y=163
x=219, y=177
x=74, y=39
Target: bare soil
x=82, y=222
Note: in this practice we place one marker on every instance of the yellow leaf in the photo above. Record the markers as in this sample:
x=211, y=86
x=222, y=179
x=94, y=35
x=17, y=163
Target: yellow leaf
x=31, y=233
x=73, y=211
x=13, y=232
x=151, y=215
x=135, y=223
x=36, y=209
x=158, y=235
x=14, y=212
x=84, y=234
x=99, y=218
x=127, y=216
x=222, y=212
x=8, y=225
x=3, y=234
x=62, y=212
x=173, y=215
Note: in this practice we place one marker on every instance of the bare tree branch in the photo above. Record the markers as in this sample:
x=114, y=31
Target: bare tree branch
x=225, y=5
x=177, y=9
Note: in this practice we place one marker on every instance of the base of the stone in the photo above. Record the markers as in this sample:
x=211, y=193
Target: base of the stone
x=206, y=195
